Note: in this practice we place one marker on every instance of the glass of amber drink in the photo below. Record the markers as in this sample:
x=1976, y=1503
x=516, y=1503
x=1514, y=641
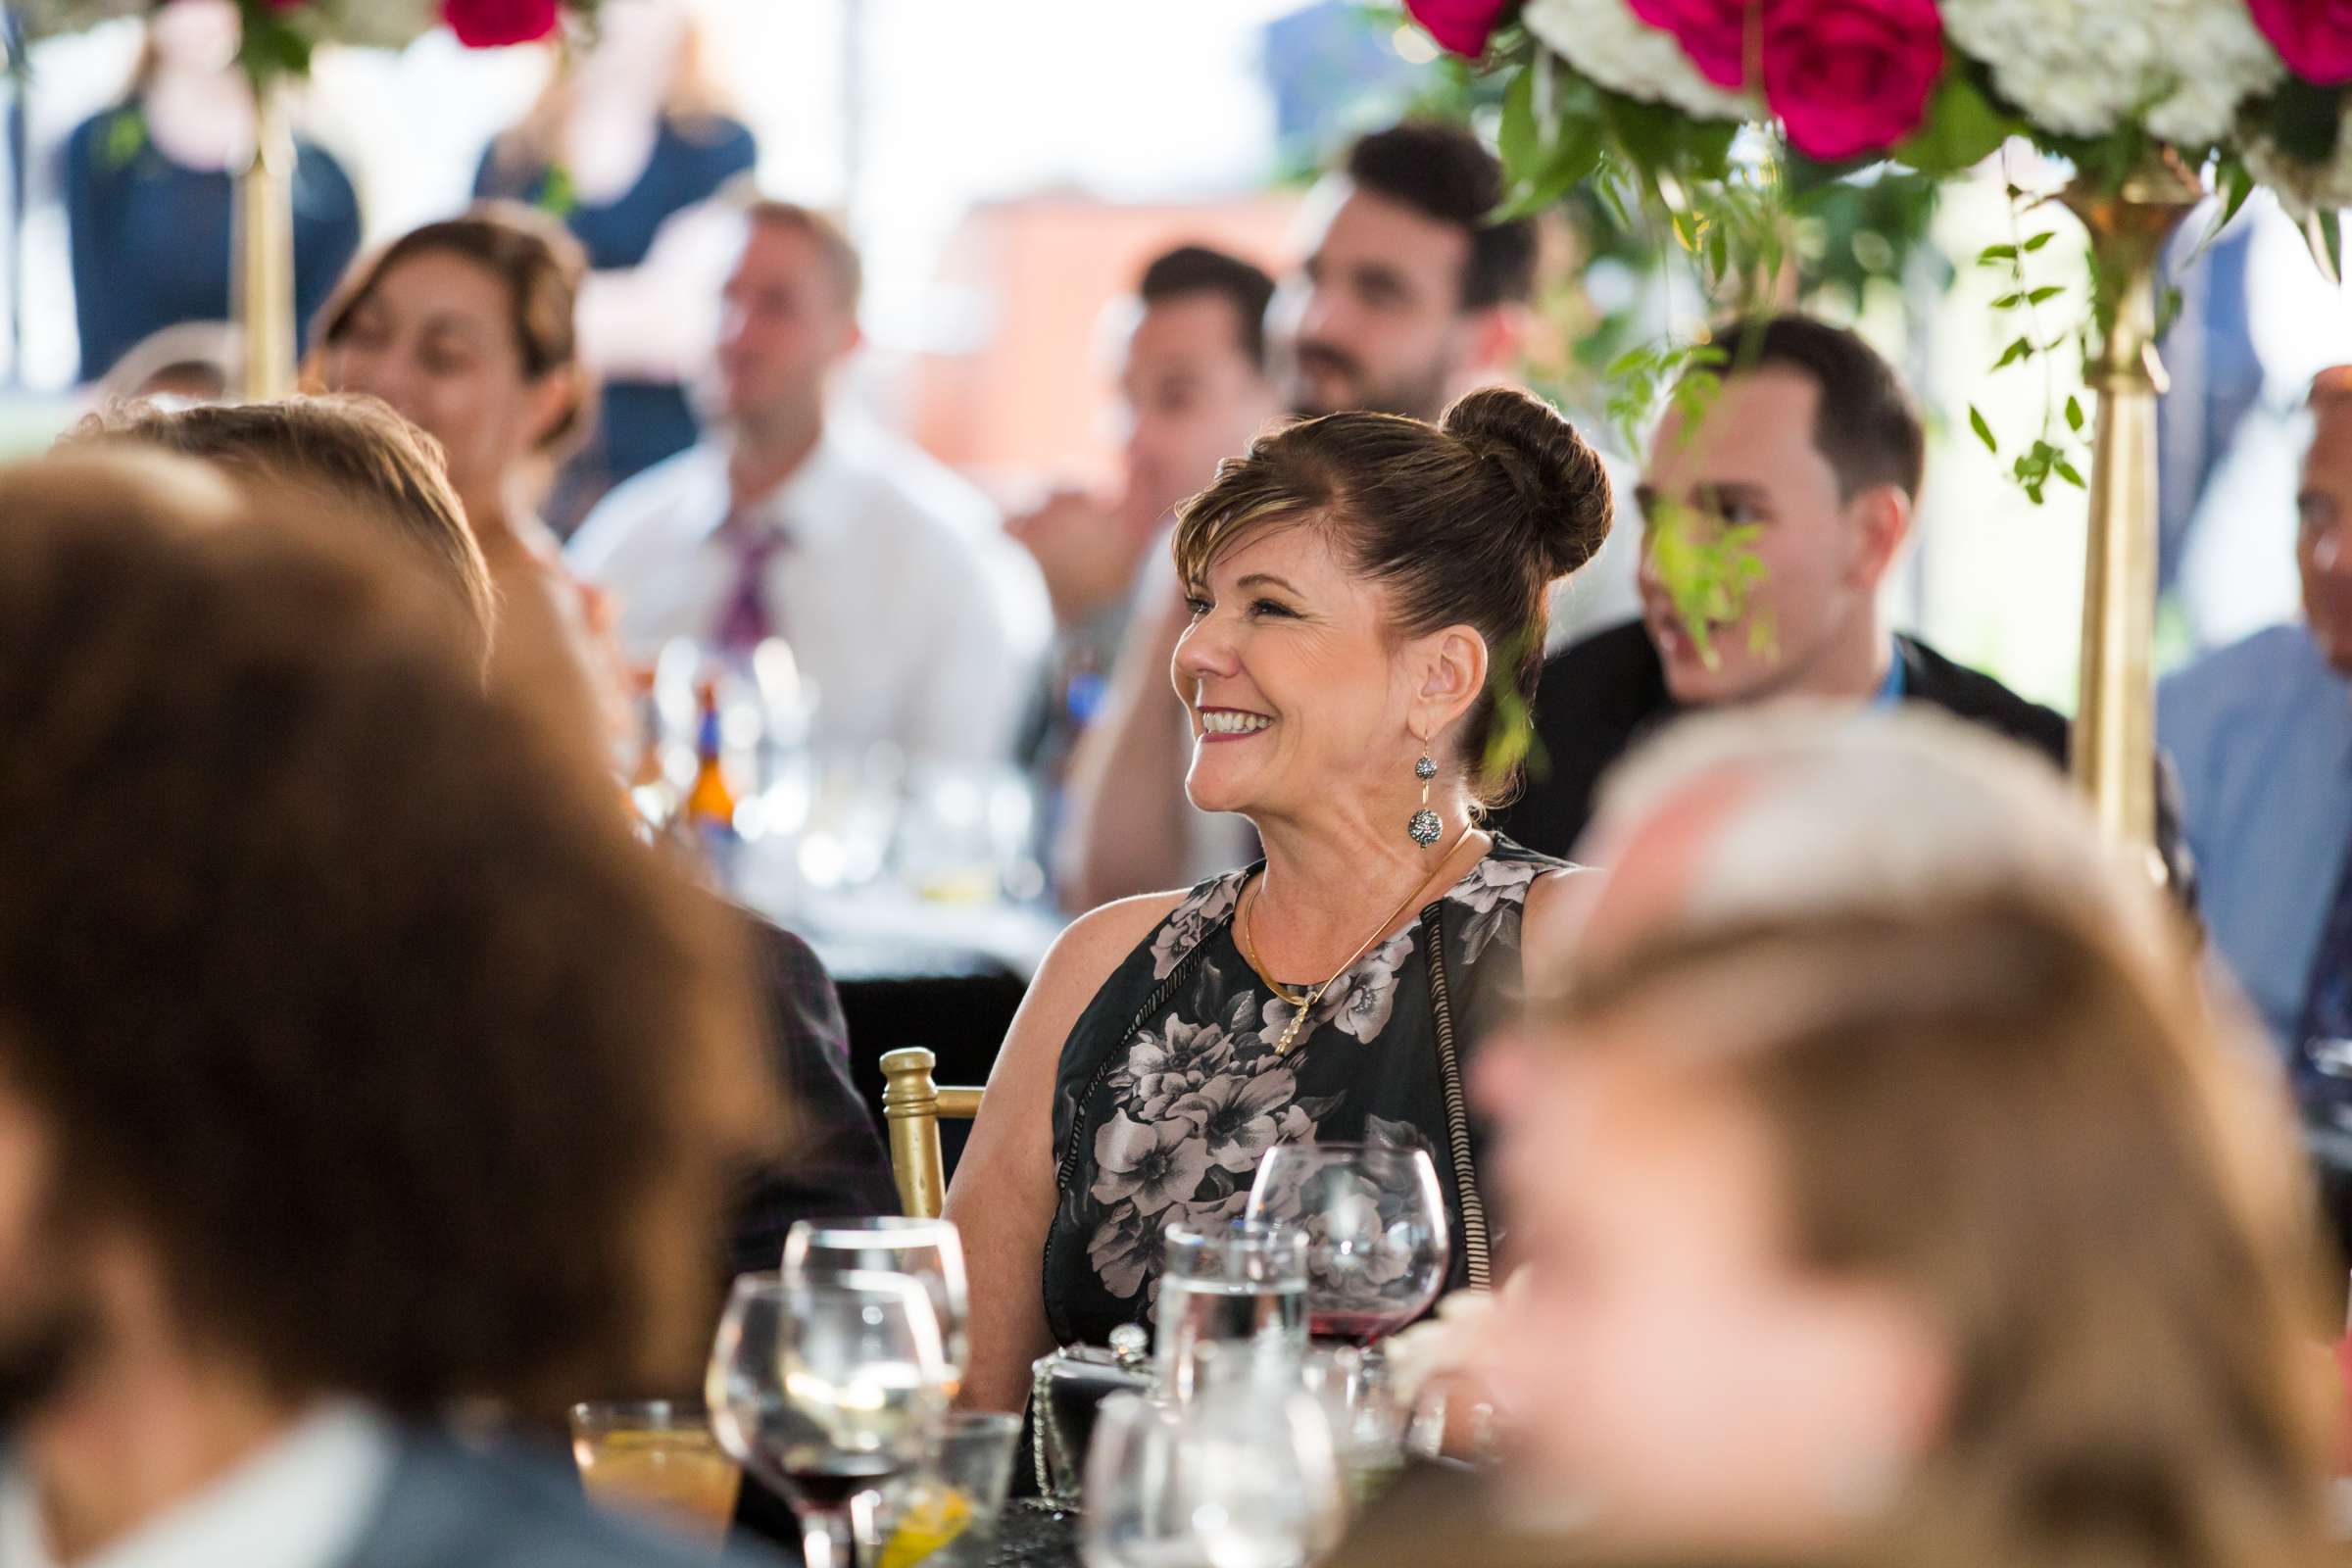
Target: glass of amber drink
x=657, y=1458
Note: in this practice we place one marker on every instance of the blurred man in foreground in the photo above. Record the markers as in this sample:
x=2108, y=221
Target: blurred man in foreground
x=353, y=1062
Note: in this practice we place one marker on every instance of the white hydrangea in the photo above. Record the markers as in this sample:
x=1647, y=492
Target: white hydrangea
x=2082, y=68
x=1606, y=41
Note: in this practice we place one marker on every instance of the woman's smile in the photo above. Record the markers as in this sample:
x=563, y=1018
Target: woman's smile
x=1232, y=723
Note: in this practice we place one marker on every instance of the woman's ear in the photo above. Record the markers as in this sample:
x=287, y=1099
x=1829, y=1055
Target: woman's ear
x=553, y=398
x=1453, y=675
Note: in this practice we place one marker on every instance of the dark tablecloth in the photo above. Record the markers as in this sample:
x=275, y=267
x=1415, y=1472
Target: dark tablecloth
x=1029, y=1536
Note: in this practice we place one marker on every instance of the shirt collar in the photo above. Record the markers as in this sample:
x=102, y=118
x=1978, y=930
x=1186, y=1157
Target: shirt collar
x=816, y=500
x=301, y=1502
x=1890, y=689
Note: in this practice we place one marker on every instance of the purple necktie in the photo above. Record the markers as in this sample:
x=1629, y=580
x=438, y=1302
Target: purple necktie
x=744, y=619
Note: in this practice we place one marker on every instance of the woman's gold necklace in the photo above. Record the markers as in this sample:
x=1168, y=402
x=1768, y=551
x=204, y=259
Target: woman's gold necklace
x=1304, y=1006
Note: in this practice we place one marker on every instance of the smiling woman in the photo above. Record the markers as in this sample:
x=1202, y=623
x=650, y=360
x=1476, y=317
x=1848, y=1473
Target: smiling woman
x=1368, y=602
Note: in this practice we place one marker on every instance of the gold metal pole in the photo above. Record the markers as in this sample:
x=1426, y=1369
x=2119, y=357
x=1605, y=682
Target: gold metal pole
x=2114, y=748
x=264, y=272
x=910, y=1110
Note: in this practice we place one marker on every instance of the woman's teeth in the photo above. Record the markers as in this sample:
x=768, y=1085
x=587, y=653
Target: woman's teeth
x=1230, y=723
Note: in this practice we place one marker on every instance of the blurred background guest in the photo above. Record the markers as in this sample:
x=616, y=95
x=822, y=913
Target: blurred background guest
x=1962, y=1218
x=347, y=458
x=1356, y=581
x=1813, y=441
x=467, y=328
x=629, y=144
x=147, y=192
x=823, y=532
x=1192, y=391
x=283, y=1181
x=2262, y=731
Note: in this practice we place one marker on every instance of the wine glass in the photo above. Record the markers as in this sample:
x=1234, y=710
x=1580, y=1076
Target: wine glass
x=825, y=1388
x=1377, y=1238
x=927, y=1250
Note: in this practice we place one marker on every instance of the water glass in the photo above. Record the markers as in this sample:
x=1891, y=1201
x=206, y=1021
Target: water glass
x=657, y=1458
x=927, y=1250
x=1242, y=1477
x=1239, y=1280
x=945, y=1514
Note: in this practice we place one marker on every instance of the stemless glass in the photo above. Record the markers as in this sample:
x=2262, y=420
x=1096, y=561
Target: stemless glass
x=1242, y=1280
x=659, y=1457
x=825, y=1388
x=1242, y=1477
x=1376, y=1227
x=927, y=1250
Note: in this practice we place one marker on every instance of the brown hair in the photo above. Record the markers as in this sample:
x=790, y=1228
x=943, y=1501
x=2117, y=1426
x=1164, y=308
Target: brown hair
x=332, y=982
x=831, y=240
x=355, y=450
x=542, y=267
x=2046, y=1141
x=1467, y=522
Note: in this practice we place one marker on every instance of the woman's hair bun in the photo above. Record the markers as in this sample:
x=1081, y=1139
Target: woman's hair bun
x=1558, y=486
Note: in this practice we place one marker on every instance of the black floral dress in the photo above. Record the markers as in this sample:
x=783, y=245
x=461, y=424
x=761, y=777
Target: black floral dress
x=1169, y=1091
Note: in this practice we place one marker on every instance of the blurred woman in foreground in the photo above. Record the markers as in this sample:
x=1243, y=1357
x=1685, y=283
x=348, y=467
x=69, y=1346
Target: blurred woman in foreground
x=1962, y=1224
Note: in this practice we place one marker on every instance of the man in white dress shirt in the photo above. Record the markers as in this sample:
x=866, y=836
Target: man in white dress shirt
x=919, y=624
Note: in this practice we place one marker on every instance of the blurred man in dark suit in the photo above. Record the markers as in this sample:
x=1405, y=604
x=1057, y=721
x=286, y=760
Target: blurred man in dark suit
x=1811, y=441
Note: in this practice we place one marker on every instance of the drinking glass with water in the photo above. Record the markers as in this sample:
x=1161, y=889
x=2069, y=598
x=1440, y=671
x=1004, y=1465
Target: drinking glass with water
x=1242, y=1280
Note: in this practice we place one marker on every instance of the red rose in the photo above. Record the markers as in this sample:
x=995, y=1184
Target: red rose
x=1850, y=76
x=2313, y=37
x=1461, y=25
x=495, y=23
x=1712, y=32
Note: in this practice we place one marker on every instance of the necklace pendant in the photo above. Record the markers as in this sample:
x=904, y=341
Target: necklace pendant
x=1282, y=1047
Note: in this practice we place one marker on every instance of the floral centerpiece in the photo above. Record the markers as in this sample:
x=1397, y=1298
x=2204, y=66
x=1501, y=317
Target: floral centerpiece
x=275, y=44
x=1712, y=117
x=279, y=36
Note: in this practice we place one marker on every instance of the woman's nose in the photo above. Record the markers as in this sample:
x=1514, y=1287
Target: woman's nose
x=1202, y=651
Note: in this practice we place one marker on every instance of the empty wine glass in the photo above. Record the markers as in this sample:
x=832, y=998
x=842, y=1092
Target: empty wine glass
x=928, y=1250
x=825, y=1388
x=1377, y=1239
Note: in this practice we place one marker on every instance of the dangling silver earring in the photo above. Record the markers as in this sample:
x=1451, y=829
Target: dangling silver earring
x=1425, y=827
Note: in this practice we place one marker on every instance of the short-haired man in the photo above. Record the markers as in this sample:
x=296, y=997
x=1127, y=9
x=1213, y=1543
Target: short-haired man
x=357, y=1065
x=886, y=574
x=2263, y=734
x=1811, y=437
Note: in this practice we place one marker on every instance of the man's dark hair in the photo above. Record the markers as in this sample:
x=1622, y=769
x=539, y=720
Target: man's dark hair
x=1191, y=270
x=330, y=979
x=1867, y=424
x=1443, y=171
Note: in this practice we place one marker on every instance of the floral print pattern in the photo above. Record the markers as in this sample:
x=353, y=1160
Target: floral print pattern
x=1173, y=1121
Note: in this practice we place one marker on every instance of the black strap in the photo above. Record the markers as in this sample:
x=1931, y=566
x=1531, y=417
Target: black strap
x=1475, y=1252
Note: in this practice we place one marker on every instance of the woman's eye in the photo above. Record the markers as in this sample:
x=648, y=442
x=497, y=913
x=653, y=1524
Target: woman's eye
x=1197, y=605
x=1269, y=607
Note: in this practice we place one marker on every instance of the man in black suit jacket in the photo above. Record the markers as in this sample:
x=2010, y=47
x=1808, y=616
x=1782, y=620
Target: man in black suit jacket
x=1811, y=441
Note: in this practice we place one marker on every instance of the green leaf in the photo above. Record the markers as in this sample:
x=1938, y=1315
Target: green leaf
x=2008, y=302
x=1976, y=422
x=2074, y=415
x=1996, y=256
x=1518, y=139
x=2040, y=239
x=1961, y=130
x=2043, y=294
x=2325, y=229
x=2066, y=470
x=2019, y=349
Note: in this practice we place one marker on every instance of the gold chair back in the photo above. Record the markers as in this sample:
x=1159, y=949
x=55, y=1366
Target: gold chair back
x=913, y=1103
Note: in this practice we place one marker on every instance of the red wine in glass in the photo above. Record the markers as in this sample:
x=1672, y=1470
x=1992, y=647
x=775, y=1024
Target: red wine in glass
x=824, y=1480
x=1357, y=1327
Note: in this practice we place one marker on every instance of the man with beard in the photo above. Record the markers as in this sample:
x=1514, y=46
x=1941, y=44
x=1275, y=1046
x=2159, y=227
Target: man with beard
x=356, y=1066
x=1407, y=297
